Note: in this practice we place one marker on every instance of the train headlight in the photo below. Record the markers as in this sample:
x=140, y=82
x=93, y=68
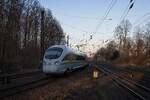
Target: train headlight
x=57, y=63
x=44, y=62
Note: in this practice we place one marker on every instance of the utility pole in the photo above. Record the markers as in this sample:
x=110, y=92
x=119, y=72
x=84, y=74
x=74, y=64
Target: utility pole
x=42, y=34
x=67, y=40
x=78, y=47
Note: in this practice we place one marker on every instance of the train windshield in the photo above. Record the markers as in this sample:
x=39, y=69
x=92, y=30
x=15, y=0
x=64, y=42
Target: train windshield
x=53, y=53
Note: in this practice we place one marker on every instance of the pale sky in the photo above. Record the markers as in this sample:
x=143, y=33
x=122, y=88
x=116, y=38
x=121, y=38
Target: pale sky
x=79, y=18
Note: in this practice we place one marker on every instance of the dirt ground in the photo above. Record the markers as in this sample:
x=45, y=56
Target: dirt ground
x=79, y=85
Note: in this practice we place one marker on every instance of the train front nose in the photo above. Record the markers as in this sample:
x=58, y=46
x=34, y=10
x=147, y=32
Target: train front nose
x=49, y=67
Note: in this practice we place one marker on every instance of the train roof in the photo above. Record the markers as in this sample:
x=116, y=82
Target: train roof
x=69, y=50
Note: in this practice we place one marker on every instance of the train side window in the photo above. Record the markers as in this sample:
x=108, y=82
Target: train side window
x=69, y=57
x=80, y=57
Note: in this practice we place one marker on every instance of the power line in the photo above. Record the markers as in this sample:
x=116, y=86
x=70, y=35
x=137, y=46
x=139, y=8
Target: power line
x=126, y=11
x=143, y=21
x=75, y=16
x=138, y=21
x=111, y=5
x=130, y=7
x=73, y=27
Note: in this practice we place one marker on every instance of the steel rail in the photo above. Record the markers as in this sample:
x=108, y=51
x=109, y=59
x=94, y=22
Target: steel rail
x=5, y=92
x=125, y=83
x=5, y=78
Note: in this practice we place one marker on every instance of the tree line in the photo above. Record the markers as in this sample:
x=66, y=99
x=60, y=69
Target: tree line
x=26, y=30
x=126, y=49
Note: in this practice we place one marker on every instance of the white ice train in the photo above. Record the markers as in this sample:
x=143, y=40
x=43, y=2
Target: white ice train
x=60, y=59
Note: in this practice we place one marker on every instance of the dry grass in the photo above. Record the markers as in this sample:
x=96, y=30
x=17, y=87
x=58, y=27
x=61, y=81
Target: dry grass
x=57, y=90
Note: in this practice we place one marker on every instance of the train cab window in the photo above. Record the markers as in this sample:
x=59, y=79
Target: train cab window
x=53, y=53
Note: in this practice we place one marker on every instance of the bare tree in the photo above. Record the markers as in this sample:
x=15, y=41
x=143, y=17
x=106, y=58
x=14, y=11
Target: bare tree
x=20, y=32
x=122, y=31
x=139, y=42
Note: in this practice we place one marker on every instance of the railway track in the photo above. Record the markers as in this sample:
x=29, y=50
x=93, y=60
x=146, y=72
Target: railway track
x=138, y=90
x=32, y=81
x=6, y=78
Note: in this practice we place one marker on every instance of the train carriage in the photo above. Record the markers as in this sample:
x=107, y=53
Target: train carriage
x=60, y=59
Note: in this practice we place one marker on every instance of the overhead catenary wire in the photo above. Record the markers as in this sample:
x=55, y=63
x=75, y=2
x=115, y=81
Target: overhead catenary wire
x=142, y=19
x=111, y=5
x=126, y=11
x=76, y=28
x=130, y=7
x=75, y=16
x=79, y=29
x=85, y=17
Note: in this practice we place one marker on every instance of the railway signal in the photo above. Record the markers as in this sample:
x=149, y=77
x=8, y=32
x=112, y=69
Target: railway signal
x=67, y=40
x=91, y=36
x=42, y=33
